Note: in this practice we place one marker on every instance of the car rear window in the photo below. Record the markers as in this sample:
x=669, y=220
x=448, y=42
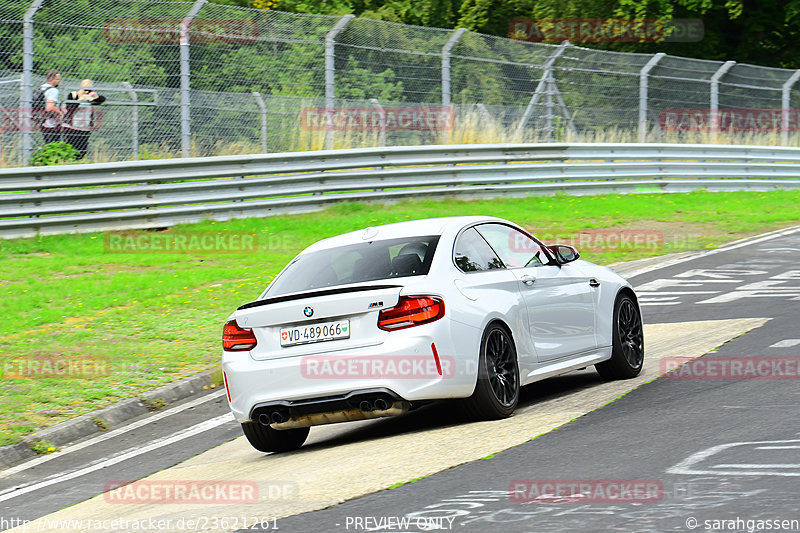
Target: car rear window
x=367, y=261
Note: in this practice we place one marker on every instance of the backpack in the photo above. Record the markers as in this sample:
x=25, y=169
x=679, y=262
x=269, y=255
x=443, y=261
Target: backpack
x=38, y=102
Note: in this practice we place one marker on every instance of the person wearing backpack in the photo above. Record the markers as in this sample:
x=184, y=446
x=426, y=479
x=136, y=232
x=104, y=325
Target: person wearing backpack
x=46, y=109
x=79, y=121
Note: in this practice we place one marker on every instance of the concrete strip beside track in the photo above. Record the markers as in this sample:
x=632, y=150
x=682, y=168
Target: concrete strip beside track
x=322, y=475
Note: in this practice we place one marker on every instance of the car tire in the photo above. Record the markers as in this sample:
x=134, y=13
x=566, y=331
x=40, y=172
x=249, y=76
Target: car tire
x=265, y=439
x=627, y=353
x=497, y=388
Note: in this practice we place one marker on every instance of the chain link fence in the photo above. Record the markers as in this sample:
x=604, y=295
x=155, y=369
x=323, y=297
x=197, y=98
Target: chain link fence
x=195, y=78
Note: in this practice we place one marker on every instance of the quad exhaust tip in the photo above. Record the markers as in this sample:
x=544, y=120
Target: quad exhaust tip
x=381, y=405
x=275, y=417
x=361, y=406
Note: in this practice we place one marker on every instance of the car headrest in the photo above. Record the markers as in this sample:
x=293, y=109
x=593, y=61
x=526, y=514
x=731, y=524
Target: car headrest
x=419, y=248
x=406, y=265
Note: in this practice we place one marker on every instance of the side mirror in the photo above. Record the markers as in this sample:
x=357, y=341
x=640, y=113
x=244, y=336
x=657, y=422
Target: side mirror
x=564, y=253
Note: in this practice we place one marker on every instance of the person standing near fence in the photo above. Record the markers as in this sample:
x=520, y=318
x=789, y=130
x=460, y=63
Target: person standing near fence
x=51, y=127
x=79, y=121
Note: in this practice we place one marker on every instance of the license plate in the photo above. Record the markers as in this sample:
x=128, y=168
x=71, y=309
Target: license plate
x=320, y=332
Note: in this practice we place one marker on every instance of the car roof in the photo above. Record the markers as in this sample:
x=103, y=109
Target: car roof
x=396, y=230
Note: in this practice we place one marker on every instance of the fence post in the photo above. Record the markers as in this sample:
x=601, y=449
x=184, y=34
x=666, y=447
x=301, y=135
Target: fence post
x=186, y=130
x=330, y=75
x=134, y=120
x=263, y=107
x=446, y=49
x=379, y=107
x=786, y=98
x=714, y=118
x=643, y=87
x=543, y=85
x=26, y=118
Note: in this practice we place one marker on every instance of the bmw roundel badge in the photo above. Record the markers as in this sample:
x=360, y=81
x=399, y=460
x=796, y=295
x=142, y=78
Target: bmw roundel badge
x=308, y=311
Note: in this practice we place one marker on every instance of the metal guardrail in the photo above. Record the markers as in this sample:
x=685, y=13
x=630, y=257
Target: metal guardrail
x=159, y=193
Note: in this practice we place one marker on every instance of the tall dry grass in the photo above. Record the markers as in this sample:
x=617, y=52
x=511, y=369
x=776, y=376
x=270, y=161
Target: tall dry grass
x=475, y=126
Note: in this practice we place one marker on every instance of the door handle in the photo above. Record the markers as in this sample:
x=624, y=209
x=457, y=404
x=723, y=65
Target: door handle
x=527, y=280
x=594, y=283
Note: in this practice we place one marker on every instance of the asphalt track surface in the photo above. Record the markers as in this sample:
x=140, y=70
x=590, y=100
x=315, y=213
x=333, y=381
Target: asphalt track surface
x=718, y=449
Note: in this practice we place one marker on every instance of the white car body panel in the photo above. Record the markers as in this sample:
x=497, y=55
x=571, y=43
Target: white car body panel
x=560, y=309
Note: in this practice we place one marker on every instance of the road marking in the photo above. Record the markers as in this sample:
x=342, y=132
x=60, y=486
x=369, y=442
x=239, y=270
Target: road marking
x=767, y=284
x=778, y=448
x=792, y=274
x=777, y=406
x=134, y=452
x=780, y=250
x=757, y=465
x=738, y=295
x=665, y=293
x=785, y=343
x=660, y=283
x=689, y=465
x=111, y=434
x=719, y=273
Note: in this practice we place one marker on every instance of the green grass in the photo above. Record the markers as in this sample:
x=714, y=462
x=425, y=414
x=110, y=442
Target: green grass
x=401, y=483
x=154, y=318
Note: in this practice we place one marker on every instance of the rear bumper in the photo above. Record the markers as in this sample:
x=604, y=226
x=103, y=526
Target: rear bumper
x=404, y=367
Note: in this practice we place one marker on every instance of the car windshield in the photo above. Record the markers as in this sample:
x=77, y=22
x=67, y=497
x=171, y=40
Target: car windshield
x=367, y=261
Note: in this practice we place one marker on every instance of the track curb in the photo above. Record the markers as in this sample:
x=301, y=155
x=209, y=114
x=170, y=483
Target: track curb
x=103, y=419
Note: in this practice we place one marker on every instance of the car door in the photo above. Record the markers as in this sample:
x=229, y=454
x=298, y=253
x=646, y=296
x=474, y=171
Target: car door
x=490, y=288
x=559, y=300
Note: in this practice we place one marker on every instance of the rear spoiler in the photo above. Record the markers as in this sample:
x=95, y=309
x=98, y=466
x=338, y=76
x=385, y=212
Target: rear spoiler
x=325, y=292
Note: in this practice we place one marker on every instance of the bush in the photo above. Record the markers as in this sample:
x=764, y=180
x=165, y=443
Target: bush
x=57, y=153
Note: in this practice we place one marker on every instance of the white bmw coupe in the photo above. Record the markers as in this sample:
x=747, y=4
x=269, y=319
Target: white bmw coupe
x=374, y=322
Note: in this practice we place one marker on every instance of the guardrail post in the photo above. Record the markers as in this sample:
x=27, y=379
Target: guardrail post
x=186, y=130
x=134, y=120
x=786, y=98
x=643, y=87
x=263, y=107
x=544, y=85
x=26, y=118
x=446, y=49
x=330, y=75
x=714, y=108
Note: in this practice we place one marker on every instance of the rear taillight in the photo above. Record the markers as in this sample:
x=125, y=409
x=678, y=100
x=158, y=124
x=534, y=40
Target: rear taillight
x=236, y=339
x=411, y=311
